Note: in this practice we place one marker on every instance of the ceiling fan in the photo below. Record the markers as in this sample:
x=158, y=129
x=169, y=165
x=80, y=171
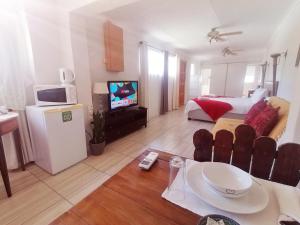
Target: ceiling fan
x=227, y=51
x=215, y=35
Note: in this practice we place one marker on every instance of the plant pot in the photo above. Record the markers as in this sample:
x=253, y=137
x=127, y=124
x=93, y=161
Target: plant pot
x=97, y=149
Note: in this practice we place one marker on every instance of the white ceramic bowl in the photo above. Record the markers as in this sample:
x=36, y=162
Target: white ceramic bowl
x=228, y=180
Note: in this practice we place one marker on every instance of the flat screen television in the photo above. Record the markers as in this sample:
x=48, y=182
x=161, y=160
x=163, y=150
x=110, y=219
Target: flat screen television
x=122, y=94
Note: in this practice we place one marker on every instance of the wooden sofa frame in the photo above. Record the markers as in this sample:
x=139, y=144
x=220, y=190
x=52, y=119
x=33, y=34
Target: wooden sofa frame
x=258, y=156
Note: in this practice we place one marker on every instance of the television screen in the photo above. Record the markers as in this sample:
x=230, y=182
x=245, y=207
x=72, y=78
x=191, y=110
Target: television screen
x=123, y=94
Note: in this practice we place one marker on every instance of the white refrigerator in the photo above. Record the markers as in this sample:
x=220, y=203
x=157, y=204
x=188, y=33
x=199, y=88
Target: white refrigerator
x=58, y=136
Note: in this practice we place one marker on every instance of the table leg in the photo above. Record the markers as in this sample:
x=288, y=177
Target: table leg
x=3, y=168
x=18, y=148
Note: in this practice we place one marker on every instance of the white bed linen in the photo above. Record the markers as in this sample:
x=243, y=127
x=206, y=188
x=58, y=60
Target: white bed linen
x=239, y=105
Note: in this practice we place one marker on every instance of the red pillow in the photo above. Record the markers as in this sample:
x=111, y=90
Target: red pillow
x=255, y=110
x=265, y=121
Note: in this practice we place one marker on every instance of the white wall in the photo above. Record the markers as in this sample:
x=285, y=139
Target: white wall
x=60, y=38
x=131, y=39
x=63, y=39
x=51, y=40
x=81, y=63
x=228, y=72
x=95, y=44
x=247, y=56
x=95, y=38
x=45, y=40
x=287, y=37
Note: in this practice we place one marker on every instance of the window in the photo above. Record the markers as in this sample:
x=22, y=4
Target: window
x=155, y=62
x=155, y=74
x=172, y=67
x=199, y=81
x=192, y=72
x=250, y=74
x=194, y=82
x=251, y=78
x=205, y=81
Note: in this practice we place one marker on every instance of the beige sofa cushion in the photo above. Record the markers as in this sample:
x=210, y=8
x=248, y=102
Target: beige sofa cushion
x=226, y=124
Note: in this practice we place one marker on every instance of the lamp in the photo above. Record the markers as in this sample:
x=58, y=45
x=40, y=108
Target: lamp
x=100, y=88
x=100, y=101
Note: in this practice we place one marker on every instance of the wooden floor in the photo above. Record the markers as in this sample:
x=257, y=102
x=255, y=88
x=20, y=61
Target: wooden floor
x=38, y=198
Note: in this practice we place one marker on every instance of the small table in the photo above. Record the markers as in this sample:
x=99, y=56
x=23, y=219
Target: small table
x=9, y=123
x=132, y=196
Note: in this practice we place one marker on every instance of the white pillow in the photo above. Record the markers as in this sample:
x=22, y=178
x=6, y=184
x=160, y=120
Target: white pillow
x=258, y=94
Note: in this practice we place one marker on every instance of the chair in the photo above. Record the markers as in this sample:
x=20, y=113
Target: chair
x=223, y=146
x=243, y=145
x=287, y=165
x=255, y=156
x=203, y=142
x=264, y=152
x=277, y=131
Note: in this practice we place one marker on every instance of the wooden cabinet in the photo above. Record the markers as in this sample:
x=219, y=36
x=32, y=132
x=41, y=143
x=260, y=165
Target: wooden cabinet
x=114, y=53
x=124, y=121
x=228, y=79
x=218, y=79
x=236, y=73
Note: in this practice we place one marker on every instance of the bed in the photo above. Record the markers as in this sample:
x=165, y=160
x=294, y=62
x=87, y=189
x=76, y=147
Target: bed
x=240, y=106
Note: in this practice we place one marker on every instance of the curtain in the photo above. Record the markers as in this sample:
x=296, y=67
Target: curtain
x=195, y=82
x=144, y=75
x=158, y=80
x=252, y=78
x=155, y=75
x=15, y=73
x=205, y=81
x=173, y=82
x=164, y=87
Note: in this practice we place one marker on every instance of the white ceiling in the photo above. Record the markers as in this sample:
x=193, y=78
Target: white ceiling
x=185, y=23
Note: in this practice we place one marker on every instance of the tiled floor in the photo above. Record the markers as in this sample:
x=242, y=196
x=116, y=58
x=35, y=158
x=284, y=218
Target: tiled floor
x=38, y=197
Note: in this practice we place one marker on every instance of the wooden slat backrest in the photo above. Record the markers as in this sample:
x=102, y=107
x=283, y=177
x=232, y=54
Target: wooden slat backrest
x=243, y=145
x=203, y=141
x=223, y=146
x=264, y=151
x=287, y=164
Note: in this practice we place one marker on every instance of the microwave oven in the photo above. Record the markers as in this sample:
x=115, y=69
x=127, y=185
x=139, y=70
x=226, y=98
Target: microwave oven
x=47, y=95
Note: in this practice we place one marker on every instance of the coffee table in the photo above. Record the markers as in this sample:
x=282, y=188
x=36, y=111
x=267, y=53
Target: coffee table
x=132, y=196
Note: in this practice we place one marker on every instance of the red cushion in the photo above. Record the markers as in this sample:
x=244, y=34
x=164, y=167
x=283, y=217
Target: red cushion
x=265, y=121
x=255, y=110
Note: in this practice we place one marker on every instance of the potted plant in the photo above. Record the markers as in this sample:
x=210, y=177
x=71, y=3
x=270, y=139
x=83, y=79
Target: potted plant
x=97, y=142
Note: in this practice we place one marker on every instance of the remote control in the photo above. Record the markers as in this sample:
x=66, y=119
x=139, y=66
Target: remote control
x=148, y=161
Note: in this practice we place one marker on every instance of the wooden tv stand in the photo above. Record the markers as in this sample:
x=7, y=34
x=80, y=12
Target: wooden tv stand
x=124, y=121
